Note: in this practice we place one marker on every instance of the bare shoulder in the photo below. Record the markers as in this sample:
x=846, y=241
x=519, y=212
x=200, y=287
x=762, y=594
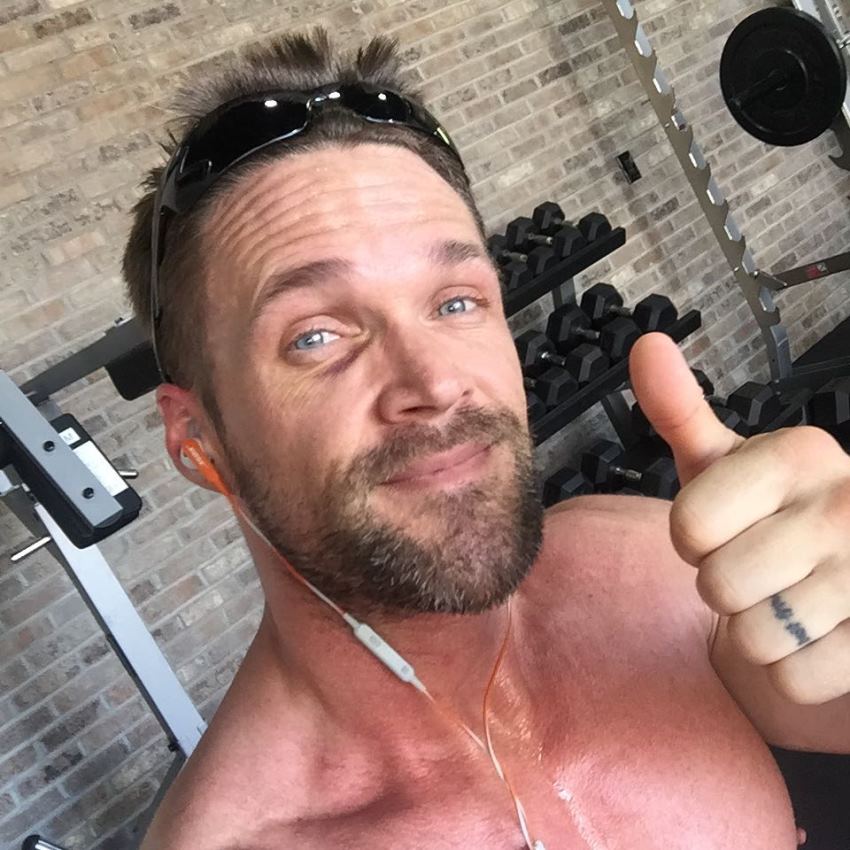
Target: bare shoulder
x=219, y=801
x=624, y=541
x=223, y=796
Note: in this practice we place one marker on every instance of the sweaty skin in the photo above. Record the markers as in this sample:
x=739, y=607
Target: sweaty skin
x=606, y=714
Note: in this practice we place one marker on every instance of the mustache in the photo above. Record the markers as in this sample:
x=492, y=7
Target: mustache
x=415, y=441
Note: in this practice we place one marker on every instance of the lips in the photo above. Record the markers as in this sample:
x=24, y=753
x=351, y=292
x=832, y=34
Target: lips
x=438, y=462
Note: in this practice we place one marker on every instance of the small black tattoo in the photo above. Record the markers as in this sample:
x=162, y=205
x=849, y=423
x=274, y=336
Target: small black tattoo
x=783, y=611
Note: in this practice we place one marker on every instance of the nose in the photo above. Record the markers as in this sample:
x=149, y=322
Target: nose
x=423, y=380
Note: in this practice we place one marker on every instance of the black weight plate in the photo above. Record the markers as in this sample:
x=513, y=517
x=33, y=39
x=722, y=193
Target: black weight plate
x=783, y=77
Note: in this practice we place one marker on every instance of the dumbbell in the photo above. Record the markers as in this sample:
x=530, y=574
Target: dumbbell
x=569, y=326
x=534, y=407
x=537, y=261
x=586, y=363
x=564, y=484
x=642, y=427
x=602, y=303
x=552, y=387
x=829, y=408
x=757, y=405
x=515, y=275
x=537, y=353
x=549, y=217
x=601, y=466
x=522, y=233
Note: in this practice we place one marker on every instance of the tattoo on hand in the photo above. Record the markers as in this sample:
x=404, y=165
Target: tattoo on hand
x=783, y=611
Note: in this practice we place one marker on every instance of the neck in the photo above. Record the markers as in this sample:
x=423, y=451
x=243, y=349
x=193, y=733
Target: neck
x=317, y=655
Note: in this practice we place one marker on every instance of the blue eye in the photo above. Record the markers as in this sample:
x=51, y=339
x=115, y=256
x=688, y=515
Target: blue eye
x=311, y=339
x=458, y=300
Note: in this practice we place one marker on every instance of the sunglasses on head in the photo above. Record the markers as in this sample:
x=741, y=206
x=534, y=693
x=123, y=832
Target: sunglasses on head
x=241, y=128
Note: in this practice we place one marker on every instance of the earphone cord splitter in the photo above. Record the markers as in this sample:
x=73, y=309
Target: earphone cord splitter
x=402, y=669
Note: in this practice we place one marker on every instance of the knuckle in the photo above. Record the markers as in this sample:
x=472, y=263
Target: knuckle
x=834, y=511
x=717, y=587
x=689, y=532
x=788, y=680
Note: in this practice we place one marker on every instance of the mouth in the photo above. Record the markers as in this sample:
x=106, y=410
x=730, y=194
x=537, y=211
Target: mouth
x=454, y=466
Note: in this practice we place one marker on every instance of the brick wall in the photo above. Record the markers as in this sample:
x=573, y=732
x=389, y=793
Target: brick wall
x=540, y=99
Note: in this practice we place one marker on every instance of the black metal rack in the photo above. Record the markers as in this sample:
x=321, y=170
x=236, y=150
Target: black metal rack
x=568, y=268
x=604, y=385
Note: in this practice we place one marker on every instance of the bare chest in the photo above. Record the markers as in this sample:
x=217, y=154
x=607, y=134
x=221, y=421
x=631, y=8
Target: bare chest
x=643, y=749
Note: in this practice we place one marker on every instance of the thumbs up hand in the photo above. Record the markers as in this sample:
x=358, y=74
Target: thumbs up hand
x=766, y=522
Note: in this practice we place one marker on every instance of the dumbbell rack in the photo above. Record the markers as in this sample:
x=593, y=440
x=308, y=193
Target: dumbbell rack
x=604, y=389
x=559, y=277
x=559, y=280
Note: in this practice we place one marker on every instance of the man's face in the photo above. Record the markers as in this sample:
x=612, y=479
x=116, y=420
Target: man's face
x=357, y=331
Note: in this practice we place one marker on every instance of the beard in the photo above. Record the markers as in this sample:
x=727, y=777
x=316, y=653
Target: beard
x=485, y=535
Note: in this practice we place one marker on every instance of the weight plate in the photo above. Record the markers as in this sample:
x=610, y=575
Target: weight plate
x=783, y=77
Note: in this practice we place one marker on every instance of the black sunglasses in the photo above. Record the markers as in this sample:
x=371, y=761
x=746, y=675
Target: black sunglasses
x=244, y=126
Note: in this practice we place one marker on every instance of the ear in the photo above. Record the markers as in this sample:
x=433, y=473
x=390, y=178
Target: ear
x=184, y=418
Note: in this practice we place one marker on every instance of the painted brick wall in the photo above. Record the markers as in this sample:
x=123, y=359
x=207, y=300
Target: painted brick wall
x=540, y=99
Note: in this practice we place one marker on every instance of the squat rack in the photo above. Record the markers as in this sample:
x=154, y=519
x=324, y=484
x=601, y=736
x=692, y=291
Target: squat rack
x=757, y=286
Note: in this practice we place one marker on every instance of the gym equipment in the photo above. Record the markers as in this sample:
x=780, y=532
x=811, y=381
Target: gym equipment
x=59, y=484
x=537, y=353
x=552, y=387
x=594, y=226
x=36, y=842
x=757, y=286
x=602, y=303
x=514, y=276
x=830, y=409
x=534, y=407
x=549, y=218
x=586, y=363
x=601, y=466
x=569, y=325
x=537, y=261
x=757, y=405
x=522, y=233
x=783, y=77
x=564, y=484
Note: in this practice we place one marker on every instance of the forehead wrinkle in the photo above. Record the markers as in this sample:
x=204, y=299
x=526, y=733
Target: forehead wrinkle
x=246, y=238
x=304, y=181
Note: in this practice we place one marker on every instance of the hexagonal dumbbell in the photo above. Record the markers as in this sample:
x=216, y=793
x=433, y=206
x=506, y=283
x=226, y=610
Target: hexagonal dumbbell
x=549, y=217
x=603, y=303
x=829, y=408
x=594, y=226
x=757, y=405
x=601, y=465
x=564, y=484
x=537, y=353
x=569, y=326
x=538, y=261
x=552, y=387
x=534, y=407
x=522, y=234
x=587, y=362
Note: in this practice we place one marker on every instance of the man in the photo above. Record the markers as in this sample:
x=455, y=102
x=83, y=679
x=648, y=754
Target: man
x=338, y=363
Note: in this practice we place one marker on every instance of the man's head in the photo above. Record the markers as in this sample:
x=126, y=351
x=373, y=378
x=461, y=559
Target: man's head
x=330, y=319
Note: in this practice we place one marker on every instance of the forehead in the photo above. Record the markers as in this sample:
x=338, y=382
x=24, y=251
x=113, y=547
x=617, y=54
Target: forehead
x=376, y=206
x=335, y=190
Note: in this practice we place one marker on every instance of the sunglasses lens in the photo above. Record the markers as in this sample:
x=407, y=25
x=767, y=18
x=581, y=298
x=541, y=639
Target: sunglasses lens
x=241, y=130
x=375, y=105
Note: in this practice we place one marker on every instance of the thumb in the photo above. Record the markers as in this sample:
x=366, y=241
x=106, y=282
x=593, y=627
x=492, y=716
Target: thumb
x=673, y=402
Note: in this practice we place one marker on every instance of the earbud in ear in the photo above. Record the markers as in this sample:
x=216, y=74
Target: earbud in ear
x=193, y=450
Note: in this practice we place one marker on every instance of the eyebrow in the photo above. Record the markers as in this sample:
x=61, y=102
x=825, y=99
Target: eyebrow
x=449, y=252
